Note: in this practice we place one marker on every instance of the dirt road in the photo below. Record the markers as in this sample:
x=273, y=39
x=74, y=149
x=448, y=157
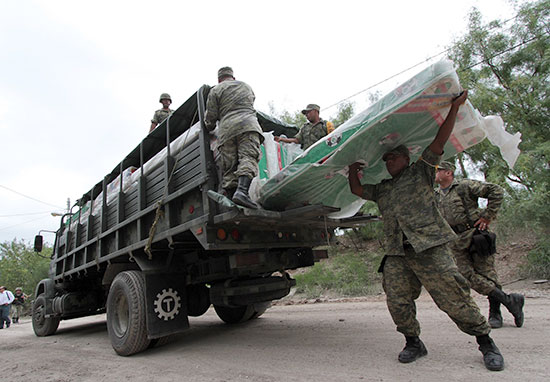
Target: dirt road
x=333, y=341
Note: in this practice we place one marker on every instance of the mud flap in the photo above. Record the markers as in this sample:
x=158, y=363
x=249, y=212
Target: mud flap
x=166, y=305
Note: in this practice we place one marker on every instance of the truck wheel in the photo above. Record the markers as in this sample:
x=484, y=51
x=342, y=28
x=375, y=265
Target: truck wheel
x=126, y=312
x=198, y=300
x=235, y=315
x=260, y=308
x=42, y=325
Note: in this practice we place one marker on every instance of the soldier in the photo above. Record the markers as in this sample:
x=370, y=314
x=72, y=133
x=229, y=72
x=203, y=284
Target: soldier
x=313, y=130
x=458, y=203
x=17, y=304
x=416, y=250
x=239, y=134
x=161, y=114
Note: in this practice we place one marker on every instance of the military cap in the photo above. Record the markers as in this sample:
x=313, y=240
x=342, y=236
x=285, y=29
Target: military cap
x=399, y=150
x=226, y=71
x=309, y=107
x=18, y=288
x=444, y=165
x=165, y=96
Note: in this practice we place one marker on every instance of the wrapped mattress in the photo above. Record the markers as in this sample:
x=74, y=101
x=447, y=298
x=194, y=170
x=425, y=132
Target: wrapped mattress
x=410, y=115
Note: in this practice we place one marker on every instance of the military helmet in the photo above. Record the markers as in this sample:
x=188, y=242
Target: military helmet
x=165, y=96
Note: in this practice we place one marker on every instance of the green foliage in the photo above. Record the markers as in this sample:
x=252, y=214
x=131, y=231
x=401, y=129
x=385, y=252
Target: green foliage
x=373, y=230
x=539, y=260
x=346, y=274
x=506, y=67
x=345, y=112
x=295, y=119
x=21, y=267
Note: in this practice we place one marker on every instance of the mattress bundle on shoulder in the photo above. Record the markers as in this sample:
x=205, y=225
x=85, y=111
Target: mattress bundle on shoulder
x=410, y=115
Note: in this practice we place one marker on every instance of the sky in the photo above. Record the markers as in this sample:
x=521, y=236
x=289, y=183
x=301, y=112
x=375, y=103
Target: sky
x=80, y=80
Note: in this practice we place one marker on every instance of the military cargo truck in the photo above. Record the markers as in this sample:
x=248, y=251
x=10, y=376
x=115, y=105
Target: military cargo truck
x=151, y=244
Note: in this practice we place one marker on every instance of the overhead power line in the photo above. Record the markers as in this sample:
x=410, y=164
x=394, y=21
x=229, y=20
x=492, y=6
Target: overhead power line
x=430, y=58
x=26, y=214
x=25, y=222
x=30, y=197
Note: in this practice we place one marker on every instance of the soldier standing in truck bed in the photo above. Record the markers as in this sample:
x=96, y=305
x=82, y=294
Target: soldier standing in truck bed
x=314, y=129
x=161, y=114
x=458, y=202
x=416, y=247
x=239, y=134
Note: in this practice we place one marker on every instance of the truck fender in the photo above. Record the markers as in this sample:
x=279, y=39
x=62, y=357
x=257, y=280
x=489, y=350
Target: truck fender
x=45, y=287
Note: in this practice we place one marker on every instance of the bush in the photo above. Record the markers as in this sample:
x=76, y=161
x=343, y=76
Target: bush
x=344, y=274
x=528, y=215
x=539, y=260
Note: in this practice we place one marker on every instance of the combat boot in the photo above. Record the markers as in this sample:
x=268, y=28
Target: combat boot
x=495, y=317
x=513, y=302
x=414, y=349
x=491, y=355
x=241, y=196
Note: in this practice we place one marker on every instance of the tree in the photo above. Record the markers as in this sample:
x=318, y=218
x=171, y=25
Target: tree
x=506, y=66
x=345, y=112
x=20, y=266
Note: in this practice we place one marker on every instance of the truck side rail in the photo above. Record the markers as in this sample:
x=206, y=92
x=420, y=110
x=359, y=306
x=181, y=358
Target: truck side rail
x=122, y=226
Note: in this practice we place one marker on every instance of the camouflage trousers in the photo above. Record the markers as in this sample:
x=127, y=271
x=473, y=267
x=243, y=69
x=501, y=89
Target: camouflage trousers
x=16, y=311
x=239, y=157
x=479, y=270
x=436, y=270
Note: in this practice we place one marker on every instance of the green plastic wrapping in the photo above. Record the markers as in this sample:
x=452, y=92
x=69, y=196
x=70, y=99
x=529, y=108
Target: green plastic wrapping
x=410, y=115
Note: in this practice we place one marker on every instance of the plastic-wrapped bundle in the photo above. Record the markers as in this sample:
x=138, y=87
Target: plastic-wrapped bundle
x=410, y=115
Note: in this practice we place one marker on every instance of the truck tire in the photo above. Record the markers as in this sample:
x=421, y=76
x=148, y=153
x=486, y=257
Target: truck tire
x=260, y=308
x=42, y=325
x=235, y=315
x=198, y=300
x=126, y=313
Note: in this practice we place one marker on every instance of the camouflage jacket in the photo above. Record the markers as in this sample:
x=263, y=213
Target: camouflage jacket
x=309, y=133
x=231, y=103
x=452, y=208
x=161, y=115
x=407, y=205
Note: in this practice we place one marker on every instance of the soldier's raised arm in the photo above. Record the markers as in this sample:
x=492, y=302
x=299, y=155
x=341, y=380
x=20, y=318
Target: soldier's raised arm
x=446, y=128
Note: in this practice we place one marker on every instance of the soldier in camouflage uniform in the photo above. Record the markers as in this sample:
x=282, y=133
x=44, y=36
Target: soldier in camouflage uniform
x=161, y=114
x=313, y=130
x=239, y=134
x=458, y=203
x=416, y=247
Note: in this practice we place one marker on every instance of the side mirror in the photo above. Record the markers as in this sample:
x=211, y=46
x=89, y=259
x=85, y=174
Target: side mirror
x=38, y=241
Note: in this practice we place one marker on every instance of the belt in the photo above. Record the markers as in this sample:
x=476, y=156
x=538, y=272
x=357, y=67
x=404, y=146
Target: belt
x=459, y=228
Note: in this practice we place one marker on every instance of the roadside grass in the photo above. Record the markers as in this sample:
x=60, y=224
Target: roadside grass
x=538, y=260
x=529, y=217
x=346, y=273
